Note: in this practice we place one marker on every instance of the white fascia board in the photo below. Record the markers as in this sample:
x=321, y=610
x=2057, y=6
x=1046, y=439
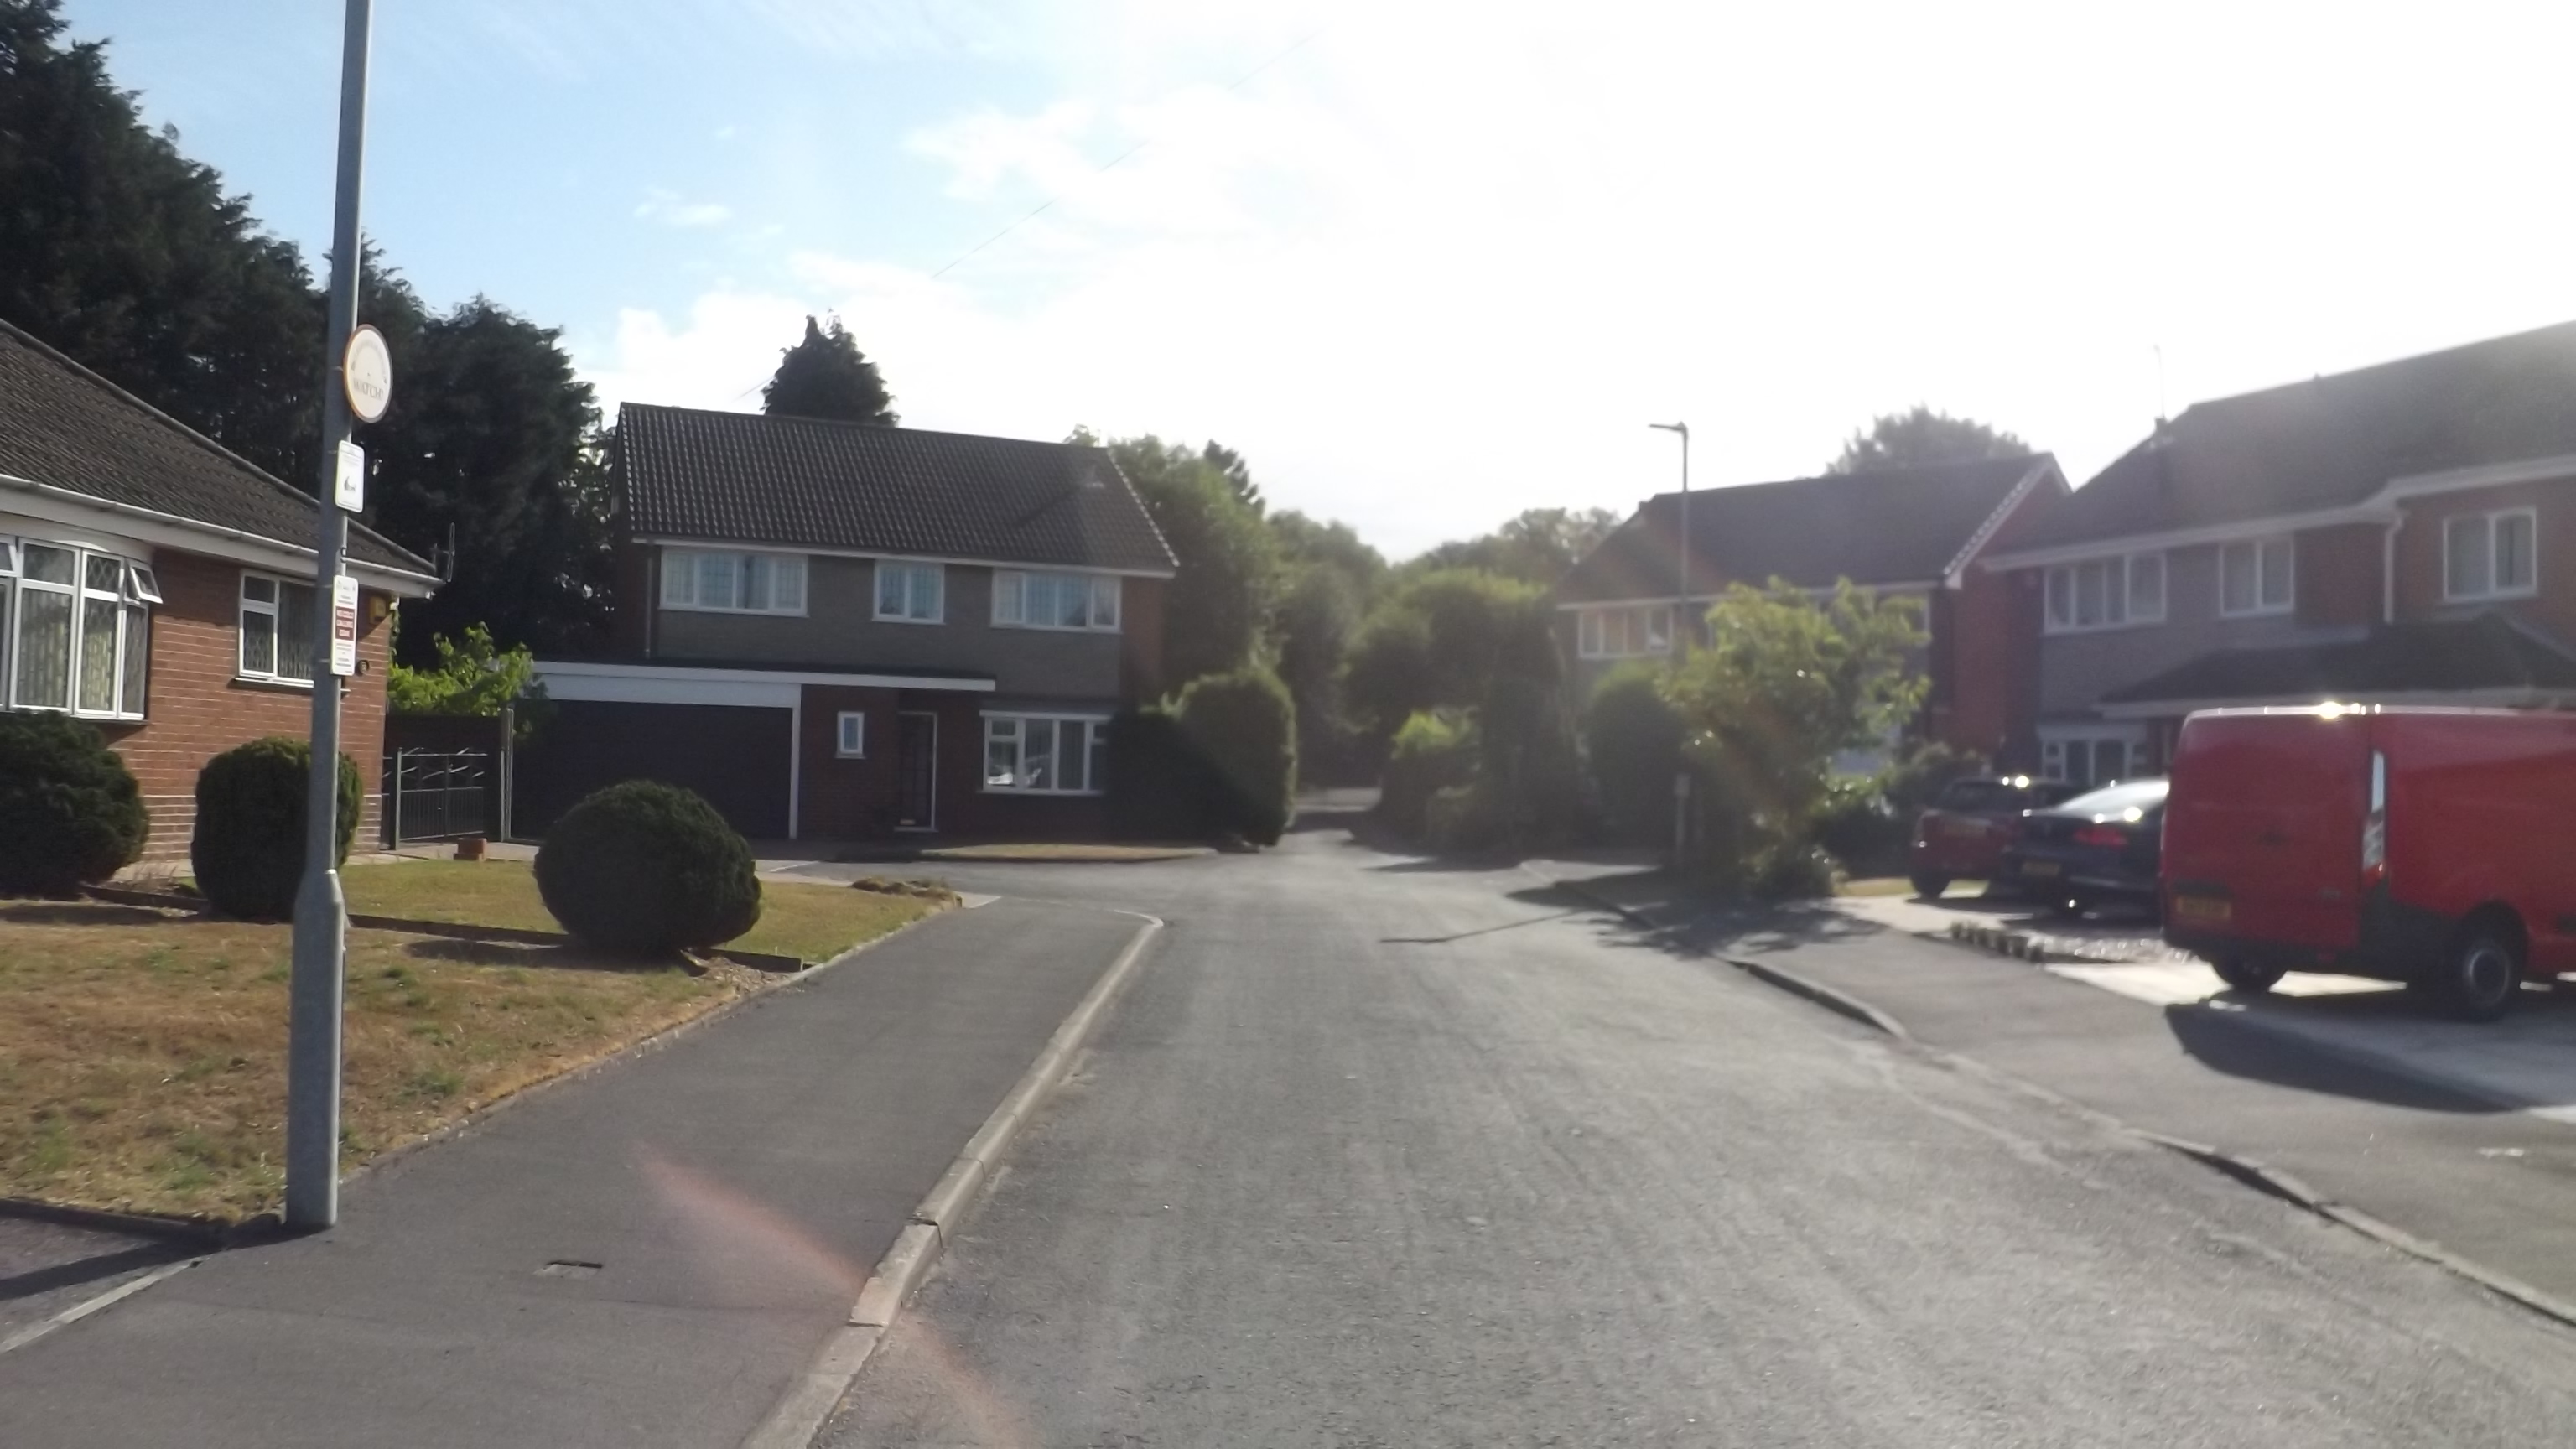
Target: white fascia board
x=600, y=681
x=2371, y=512
x=724, y=545
x=168, y=530
x=1955, y=575
x=1908, y=587
x=2486, y=475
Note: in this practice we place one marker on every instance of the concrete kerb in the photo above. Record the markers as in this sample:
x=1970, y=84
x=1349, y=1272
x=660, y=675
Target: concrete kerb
x=2252, y=1172
x=807, y=1406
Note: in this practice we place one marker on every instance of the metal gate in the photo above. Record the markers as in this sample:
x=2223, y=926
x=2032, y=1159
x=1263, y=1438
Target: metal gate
x=439, y=794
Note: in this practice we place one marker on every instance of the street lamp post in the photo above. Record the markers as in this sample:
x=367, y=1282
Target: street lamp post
x=315, y=992
x=1681, y=631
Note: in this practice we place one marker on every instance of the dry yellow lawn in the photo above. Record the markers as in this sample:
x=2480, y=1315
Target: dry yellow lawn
x=812, y=922
x=142, y=1052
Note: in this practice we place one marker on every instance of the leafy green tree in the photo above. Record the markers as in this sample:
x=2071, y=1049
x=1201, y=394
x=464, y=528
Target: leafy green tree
x=1305, y=541
x=133, y=259
x=826, y=376
x=1632, y=740
x=1317, y=618
x=1217, y=612
x=1439, y=640
x=1538, y=546
x=1237, y=474
x=1786, y=683
x=474, y=677
x=1919, y=436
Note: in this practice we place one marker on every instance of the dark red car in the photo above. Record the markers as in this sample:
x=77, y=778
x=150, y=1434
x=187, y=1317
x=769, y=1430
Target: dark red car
x=1963, y=835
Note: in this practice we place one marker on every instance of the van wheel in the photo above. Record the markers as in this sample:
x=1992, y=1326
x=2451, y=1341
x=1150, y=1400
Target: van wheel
x=1929, y=887
x=2482, y=972
x=2247, y=976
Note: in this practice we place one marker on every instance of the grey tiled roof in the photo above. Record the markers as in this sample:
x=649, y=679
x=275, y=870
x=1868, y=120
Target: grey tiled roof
x=1892, y=526
x=2332, y=440
x=744, y=478
x=2485, y=651
x=66, y=427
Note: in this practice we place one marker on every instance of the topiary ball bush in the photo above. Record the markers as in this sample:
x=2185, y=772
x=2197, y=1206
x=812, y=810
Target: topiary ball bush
x=70, y=813
x=648, y=868
x=248, y=846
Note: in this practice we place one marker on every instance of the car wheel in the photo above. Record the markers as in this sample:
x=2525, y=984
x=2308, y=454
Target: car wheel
x=2481, y=973
x=2246, y=976
x=1929, y=887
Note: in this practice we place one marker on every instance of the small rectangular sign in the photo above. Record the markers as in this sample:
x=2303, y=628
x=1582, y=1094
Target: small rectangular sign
x=344, y=626
x=349, y=479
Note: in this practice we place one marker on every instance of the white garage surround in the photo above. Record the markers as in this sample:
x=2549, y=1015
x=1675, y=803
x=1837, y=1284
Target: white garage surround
x=745, y=688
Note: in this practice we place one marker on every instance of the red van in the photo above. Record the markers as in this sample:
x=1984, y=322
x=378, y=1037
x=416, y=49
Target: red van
x=2436, y=847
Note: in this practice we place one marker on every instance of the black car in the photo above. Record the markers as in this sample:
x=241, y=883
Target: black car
x=2095, y=849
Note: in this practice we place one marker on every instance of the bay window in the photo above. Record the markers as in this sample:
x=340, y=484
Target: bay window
x=1024, y=600
x=2106, y=593
x=75, y=629
x=1035, y=754
x=733, y=583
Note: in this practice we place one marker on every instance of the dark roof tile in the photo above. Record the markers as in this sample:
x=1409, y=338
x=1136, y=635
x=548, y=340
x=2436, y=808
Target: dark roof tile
x=64, y=426
x=744, y=478
x=2486, y=651
x=1893, y=526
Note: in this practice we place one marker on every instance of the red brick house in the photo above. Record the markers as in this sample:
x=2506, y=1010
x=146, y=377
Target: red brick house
x=2394, y=534
x=162, y=587
x=1903, y=532
x=841, y=631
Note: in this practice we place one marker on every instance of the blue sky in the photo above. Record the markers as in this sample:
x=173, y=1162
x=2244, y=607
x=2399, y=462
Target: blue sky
x=1428, y=263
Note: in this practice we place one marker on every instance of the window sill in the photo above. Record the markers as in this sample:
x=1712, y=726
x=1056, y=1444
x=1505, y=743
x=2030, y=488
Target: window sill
x=2230, y=616
x=91, y=715
x=2502, y=598
x=262, y=681
x=739, y=613
x=1110, y=629
x=1042, y=794
x=2060, y=631
x=900, y=619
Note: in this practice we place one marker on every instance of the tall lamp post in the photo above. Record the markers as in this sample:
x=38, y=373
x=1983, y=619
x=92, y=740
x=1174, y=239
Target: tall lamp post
x=315, y=992
x=1681, y=629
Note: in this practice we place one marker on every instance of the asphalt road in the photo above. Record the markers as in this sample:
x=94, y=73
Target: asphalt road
x=1377, y=1153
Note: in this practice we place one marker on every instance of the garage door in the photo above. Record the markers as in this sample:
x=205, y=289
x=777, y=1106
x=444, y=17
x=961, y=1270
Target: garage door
x=735, y=755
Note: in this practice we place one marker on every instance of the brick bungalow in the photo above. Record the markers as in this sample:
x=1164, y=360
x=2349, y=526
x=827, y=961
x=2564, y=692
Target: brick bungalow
x=162, y=587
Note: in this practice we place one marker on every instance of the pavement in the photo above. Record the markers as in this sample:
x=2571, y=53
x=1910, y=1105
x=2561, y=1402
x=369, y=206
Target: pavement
x=1384, y=1150
x=646, y=1255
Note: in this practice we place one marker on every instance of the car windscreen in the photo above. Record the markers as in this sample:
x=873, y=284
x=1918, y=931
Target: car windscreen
x=1989, y=795
x=2139, y=795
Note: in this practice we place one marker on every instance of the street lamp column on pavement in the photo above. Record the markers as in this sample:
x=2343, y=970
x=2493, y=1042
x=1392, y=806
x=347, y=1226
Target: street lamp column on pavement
x=315, y=992
x=1681, y=629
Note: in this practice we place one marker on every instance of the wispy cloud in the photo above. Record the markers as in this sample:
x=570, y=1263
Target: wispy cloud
x=667, y=208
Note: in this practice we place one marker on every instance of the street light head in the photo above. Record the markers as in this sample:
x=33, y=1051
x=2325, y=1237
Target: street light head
x=1681, y=428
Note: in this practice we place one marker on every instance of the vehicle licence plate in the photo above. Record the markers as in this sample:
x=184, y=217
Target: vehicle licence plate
x=2204, y=909
x=2039, y=867
x=1963, y=827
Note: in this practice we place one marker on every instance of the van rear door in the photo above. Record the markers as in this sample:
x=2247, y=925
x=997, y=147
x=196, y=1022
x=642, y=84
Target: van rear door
x=2263, y=827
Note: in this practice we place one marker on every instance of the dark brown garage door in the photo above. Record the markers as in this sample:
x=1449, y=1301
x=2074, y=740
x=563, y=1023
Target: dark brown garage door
x=734, y=755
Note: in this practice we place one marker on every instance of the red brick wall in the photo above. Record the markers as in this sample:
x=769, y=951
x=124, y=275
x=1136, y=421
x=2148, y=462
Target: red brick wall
x=1989, y=643
x=1140, y=622
x=849, y=799
x=196, y=709
x=2338, y=572
x=2419, y=554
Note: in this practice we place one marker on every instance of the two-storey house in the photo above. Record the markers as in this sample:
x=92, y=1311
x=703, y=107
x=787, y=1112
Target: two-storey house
x=2378, y=536
x=837, y=630
x=1902, y=532
x=163, y=588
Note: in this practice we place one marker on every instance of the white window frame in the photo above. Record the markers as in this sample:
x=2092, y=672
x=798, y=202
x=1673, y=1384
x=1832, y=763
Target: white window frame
x=275, y=609
x=850, y=735
x=1642, y=631
x=2259, y=554
x=2121, y=605
x=1103, y=609
x=2487, y=522
x=912, y=572
x=1014, y=725
x=130, y=599
x=684, y=579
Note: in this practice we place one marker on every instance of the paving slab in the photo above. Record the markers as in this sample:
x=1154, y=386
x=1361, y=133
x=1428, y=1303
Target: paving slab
x=647, y=1255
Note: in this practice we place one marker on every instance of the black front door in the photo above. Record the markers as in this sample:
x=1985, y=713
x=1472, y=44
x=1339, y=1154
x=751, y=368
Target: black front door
x=917, y=763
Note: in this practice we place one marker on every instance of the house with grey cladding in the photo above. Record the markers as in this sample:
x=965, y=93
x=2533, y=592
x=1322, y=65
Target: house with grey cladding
x=845, y=631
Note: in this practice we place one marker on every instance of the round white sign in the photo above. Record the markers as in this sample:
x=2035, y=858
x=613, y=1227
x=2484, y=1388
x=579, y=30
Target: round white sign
x=367, y=374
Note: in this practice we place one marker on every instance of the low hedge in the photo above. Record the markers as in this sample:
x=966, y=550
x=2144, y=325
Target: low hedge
x=248, y=845
x=650, y=868
x=70, y=813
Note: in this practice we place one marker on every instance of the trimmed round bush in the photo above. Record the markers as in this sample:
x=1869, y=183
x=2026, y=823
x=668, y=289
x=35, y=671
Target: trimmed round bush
x=70, y=813
x=1432, y=752
x=248, y=846
x=1245, y=728
x=649, y=868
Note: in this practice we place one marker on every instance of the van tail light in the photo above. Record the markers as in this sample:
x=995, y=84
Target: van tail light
x=2374, y=826
x=2110, y=835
